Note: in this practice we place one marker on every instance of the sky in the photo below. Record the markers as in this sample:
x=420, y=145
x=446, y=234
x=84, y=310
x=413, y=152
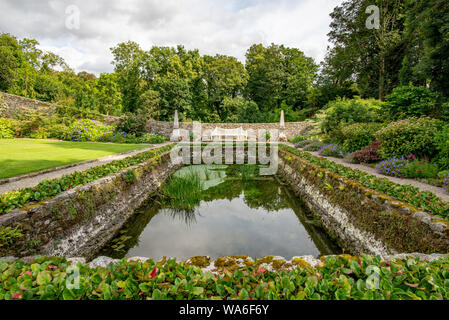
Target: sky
x=82, y=32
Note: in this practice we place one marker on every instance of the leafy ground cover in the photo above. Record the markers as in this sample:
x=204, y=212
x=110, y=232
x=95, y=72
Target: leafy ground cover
x=425, y=200
x=50, y=188
x=336, y=278
x=22, y=156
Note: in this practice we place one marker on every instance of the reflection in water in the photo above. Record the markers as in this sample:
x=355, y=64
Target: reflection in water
x=256, y=217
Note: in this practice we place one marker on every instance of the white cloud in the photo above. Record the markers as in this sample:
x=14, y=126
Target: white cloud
x=227, y=27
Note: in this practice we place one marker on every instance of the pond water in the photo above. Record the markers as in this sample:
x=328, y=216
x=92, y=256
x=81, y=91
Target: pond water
x=255, y=216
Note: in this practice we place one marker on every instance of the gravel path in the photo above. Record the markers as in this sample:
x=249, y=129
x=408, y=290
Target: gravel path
x=29, y=182
x=422, y=186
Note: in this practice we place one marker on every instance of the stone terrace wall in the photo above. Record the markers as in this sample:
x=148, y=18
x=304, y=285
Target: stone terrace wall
x=13, y=104
x=291, y=128
x=82, y=220
x=363, y=220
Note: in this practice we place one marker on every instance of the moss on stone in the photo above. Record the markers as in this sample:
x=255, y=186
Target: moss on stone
x=301, y=263
x=199, y=261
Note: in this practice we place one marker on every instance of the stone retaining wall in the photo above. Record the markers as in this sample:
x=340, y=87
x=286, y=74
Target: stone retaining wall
x=82, y=220
x=11, y=105
x=363, y=220
x=291, y=128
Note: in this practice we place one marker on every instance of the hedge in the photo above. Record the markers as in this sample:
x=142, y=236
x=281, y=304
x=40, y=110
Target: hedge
x=335, y=278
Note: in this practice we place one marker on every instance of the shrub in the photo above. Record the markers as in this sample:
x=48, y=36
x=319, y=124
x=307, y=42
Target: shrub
x=410, y=136
x=369, y=154
x=443, y=173
x=153, y=138
x=314, y=146
x=342, y=112
x=442, y=145
x=409, y=101
x=87, y=130
x=57, y=131
x=420, y=169
x=40, y=133
x=297, y=139
x=304, y=143
x=358, y=135
x=393, y=167
x=132, y=124
x=446, y=182
x=331, y=150
x=112, y=136
x=7, y=128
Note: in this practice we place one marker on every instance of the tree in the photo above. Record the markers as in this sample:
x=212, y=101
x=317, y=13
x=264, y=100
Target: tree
x=174, y=95
x=10, y=57
x=128, y=64
x=278, y=74
x=428, y=20
x=108, y=93
x=224, y=77
x=371, y=57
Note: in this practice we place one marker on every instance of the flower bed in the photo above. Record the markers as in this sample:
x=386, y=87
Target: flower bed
x=50, y=188
x=335, y=278
x=424, y=200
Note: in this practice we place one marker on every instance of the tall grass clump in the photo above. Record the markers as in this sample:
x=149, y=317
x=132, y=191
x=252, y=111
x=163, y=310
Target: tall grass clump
x=183, y=192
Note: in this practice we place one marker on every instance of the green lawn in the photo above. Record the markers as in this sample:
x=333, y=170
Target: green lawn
x=21, y=156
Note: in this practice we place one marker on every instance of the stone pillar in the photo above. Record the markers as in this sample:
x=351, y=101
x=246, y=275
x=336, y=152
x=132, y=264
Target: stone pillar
x=175, y=134
x=282, y=136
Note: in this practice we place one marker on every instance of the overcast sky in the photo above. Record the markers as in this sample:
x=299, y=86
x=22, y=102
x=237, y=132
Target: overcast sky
x=213, y=26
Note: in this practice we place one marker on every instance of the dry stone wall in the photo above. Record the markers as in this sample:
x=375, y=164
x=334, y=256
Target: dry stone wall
x=363, y=220
x=82, y=220
x=291, y=128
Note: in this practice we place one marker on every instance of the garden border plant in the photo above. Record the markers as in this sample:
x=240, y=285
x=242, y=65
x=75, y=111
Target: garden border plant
x=333, y=278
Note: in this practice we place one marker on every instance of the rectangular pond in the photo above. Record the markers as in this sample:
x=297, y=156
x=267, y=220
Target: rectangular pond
x=235, y=212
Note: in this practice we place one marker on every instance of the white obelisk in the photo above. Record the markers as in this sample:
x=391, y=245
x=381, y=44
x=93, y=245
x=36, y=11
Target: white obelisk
x=175, y=135
x=282, y=136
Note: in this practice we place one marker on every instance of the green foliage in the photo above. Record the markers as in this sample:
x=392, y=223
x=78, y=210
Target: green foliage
x=331, y=150
x=337, y=278
x=442, y=144
x=409, y=101
x=87, y=130
x=297, y=139
x=183, y=192
x=427, y=21
x=410, y=136
x=371, y=58
x=132, y=124
x=277, y=74
x=9, y=235
x=342, y=112
x=248, y=112
x=50, y=188
x=314, y=146
x=358, y=135
x=426, y=200
x=7, y=128
x=369, y=154
x=420, y=169
x=57, y=131
x=40, y=133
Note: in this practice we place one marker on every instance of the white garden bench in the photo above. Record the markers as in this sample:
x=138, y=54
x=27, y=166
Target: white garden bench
x=237, y=133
